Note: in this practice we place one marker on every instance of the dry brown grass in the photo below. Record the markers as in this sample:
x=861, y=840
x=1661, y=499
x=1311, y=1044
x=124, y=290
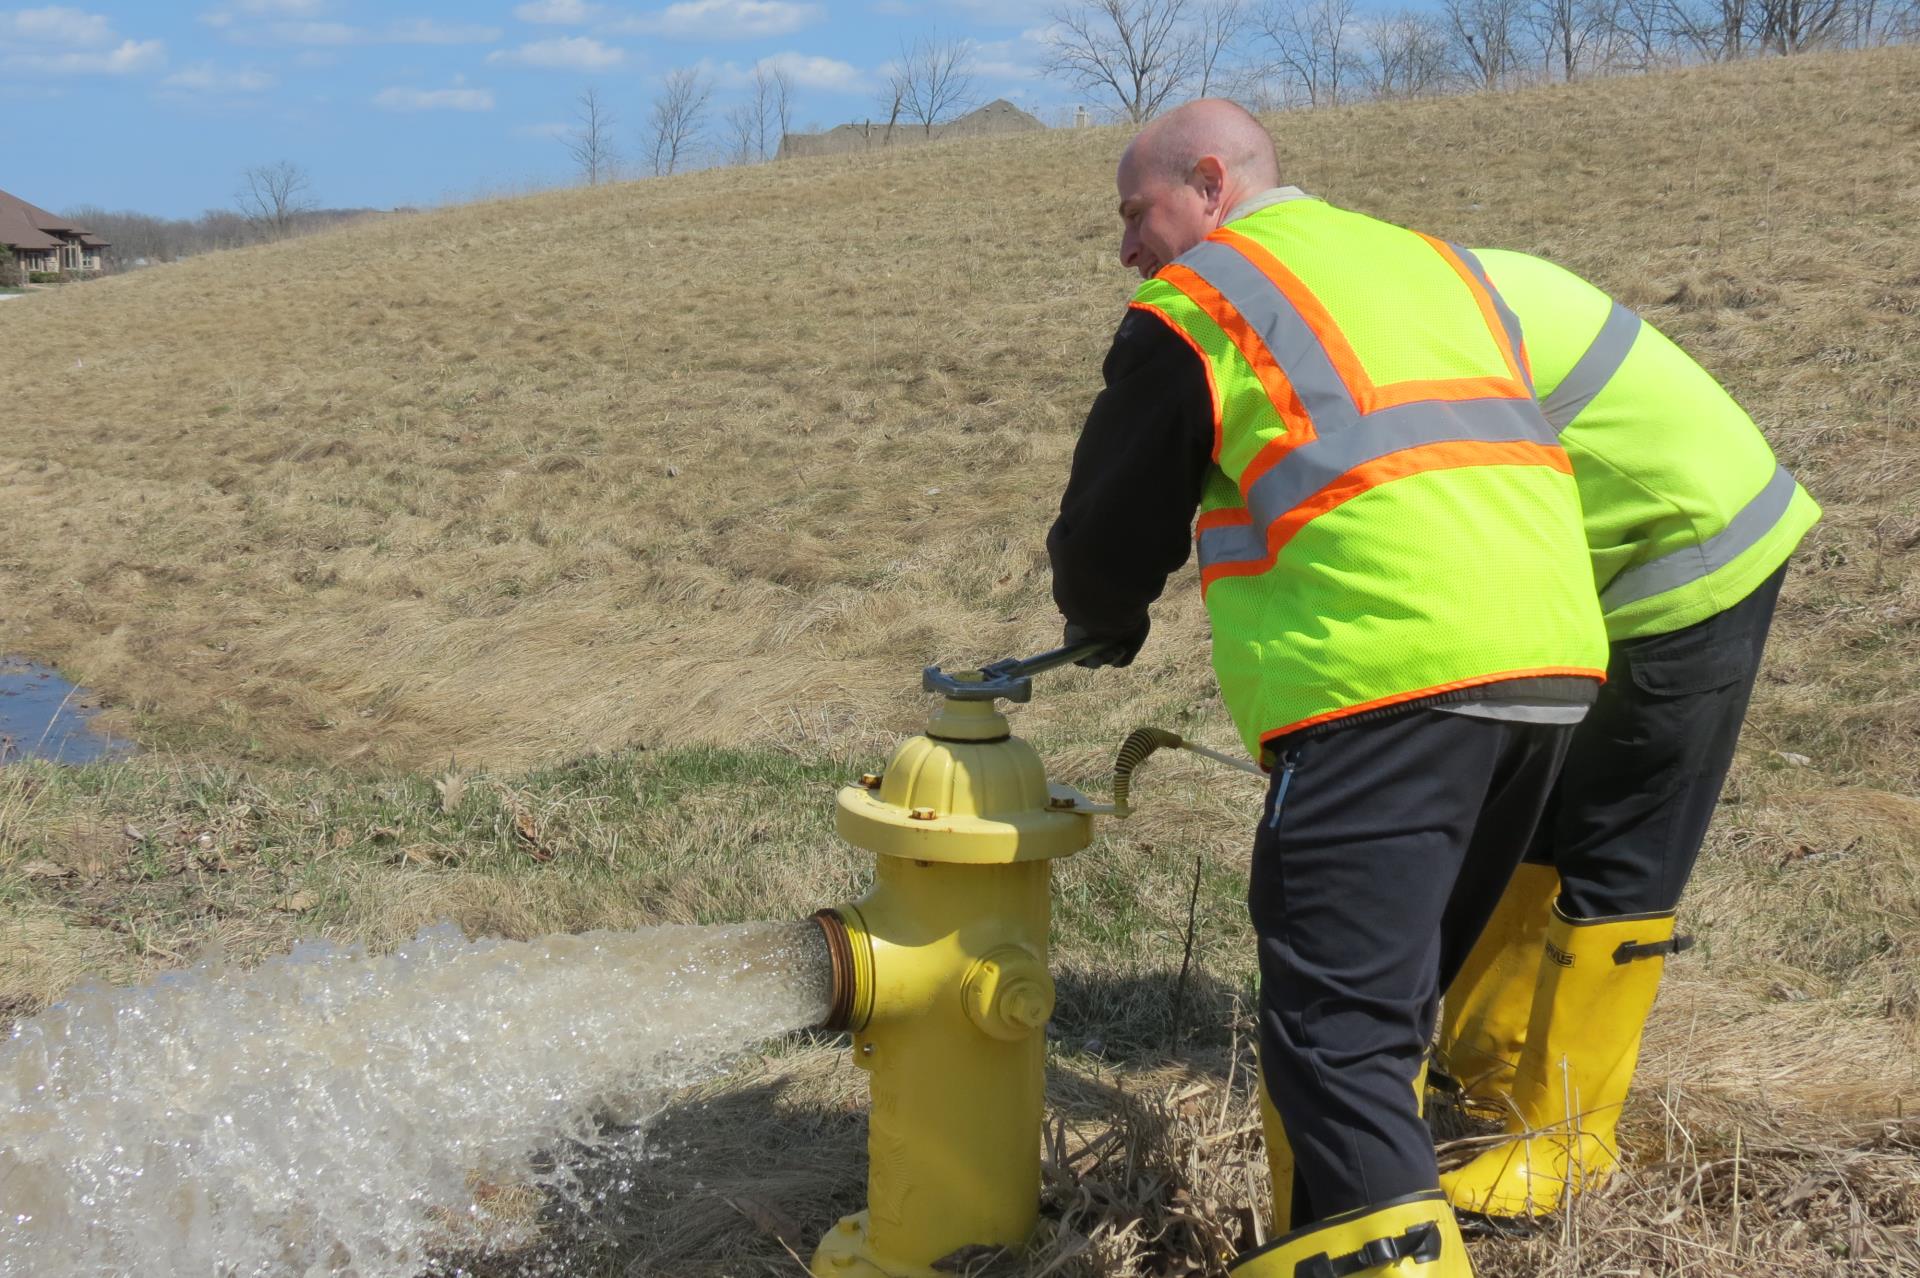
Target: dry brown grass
x=725, y=458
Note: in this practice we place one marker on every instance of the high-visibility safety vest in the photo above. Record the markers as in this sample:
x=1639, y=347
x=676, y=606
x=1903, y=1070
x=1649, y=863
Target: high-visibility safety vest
x=1686, y=509
x=1390, y=516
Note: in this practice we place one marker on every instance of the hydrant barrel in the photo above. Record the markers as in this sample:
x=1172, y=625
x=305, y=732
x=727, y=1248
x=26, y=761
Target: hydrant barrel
x=951, y=948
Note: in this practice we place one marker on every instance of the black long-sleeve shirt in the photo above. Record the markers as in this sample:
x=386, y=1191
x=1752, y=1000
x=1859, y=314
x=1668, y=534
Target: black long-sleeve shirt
x=1126, y=518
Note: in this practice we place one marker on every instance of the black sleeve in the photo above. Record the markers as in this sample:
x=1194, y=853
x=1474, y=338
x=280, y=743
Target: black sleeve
x=1126, y=519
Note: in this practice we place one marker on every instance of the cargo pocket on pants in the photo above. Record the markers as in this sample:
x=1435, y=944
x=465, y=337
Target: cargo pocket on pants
x=1683, y=669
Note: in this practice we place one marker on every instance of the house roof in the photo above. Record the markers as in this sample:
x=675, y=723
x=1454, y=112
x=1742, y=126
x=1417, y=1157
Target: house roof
x=29, y=226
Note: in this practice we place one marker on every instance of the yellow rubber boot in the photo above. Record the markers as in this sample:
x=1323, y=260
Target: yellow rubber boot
x=1279, y=1161
x=1410, y=1236
x=1280, y=1149
x=1484, y=1022
x=1583, y=1042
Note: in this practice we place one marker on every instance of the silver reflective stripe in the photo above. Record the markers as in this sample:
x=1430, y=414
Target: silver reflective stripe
x=1595, y=367
x=1670, y=572
x=1345, y=438
x=1508, y=320
x=1313, y=465
x=1288, y=337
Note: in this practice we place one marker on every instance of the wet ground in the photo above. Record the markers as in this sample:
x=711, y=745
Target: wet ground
x=44, y=716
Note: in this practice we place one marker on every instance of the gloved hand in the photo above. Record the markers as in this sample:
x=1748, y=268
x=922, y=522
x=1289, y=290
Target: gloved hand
x=1120, y=650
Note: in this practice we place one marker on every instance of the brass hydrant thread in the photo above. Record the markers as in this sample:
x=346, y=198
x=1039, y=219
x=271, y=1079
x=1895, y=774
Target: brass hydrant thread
x=840, y=954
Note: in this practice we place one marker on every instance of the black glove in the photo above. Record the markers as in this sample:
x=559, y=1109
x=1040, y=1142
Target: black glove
x=1120, y=650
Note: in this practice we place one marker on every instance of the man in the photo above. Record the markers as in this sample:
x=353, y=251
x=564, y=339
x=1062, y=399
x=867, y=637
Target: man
x=1404, y=628
x=1690, y=521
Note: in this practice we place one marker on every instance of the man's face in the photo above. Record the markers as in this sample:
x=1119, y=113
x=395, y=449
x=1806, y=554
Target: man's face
x=1161, y=218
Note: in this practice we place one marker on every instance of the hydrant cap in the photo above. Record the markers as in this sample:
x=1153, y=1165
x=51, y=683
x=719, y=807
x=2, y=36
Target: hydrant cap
x=967, y=791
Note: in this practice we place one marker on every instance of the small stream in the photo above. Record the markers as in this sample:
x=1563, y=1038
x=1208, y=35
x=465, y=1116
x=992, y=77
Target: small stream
x=43, y=716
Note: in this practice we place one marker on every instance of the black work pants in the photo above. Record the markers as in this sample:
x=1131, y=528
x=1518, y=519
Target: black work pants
x=1380, y=856
x=1626, y=820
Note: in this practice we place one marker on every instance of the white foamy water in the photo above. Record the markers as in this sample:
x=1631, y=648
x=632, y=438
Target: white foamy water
x=328, y=1113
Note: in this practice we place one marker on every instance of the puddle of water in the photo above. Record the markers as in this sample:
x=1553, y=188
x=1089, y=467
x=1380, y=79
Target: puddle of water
x=43, y=716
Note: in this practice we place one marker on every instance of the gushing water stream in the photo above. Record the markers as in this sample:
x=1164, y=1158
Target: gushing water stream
x=328, y=1113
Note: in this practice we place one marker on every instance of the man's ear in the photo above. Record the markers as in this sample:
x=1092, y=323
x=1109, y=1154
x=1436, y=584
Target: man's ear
x=1209, y=178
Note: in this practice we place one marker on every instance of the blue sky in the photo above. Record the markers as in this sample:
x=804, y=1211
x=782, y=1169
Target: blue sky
x=159, y=105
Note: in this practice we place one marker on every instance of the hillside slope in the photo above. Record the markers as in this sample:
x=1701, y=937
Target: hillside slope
x=734, y=453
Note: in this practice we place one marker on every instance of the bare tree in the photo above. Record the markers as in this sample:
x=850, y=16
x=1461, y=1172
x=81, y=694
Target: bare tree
x=741, y=133
x=1140, y=51
x=936, y=79
x=1314, y=41
x=1220, y=24
x=271, y=196
x=762, y=106
x=678, y=115
x=782, y=103
x=1566, y=32
x=1794, y=26
x=1487, y=36
x=1639, y=34
x=893, y=96
x=590, y=141
x=1717, y=30
x=1406, y=55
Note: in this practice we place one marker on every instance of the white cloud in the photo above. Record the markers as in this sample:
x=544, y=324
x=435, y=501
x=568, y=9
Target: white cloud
x=567, y=53
x=1004, y=13
x=558, y=12
x=207, y=78
x=807, y=71
x=56, y=24
x=1018, y=60
x=544, y=132
x=341, y=34
x=811, y=71
x=725, y=19
x=129, y=56
x=222, y=18
x=434, y=99
x=999, y=69
x=427, y=31
x=315, y=33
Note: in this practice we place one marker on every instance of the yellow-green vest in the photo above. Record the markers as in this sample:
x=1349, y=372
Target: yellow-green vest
x=1686, y=509
x=1390, y=516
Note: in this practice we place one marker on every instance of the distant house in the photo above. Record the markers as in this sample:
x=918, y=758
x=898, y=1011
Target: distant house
x=46, y=242
x=997, y=116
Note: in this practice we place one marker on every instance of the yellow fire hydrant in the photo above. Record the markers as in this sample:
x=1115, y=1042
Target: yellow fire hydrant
x=941, y=974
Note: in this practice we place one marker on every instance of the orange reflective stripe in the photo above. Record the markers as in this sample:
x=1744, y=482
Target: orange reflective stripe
x=1206, y=366
x=1252, y=347
x=1332, y=340
x=1483, y=299
x=1449, y=455
x=1369, y=397
x=1223, y=517
x=1400, y=698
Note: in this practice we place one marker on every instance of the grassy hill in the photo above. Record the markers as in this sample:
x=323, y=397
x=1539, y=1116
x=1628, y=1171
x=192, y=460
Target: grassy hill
x=712, y=466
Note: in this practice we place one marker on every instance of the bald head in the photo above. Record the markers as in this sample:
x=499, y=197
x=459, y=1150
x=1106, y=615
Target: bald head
x=1182, y=175
x=1170, y=146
